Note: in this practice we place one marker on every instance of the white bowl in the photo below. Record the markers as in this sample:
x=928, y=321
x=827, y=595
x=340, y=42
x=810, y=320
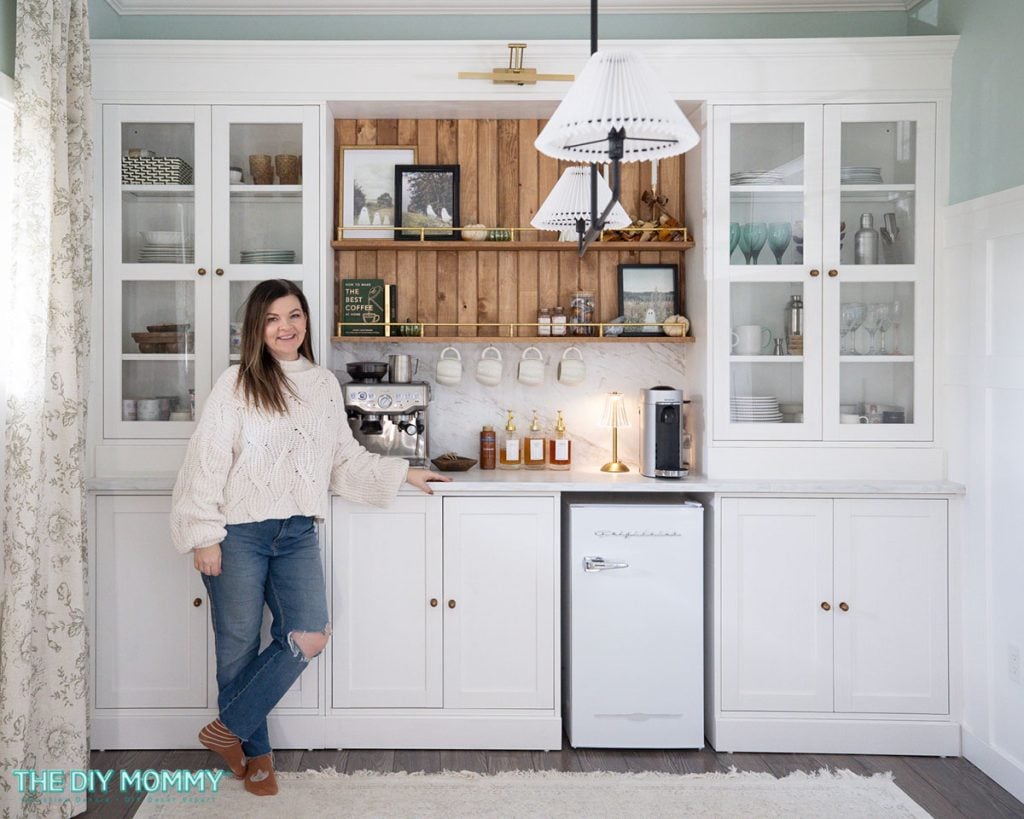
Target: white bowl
x=162, y=237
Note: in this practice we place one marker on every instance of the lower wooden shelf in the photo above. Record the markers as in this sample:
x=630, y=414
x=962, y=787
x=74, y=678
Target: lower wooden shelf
x=650, y=339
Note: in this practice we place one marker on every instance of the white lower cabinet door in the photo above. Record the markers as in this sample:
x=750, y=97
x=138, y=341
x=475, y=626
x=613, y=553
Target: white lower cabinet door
x=891, y=619
x=499, y=606
x=151, y=609
x=387, y=604
x=776, y=604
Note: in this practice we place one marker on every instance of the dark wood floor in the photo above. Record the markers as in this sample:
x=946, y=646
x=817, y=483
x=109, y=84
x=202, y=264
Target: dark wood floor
x=943, y=787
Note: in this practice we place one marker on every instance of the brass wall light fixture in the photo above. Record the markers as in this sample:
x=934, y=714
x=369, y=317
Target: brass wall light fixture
x=515, y=73
x=617, y=111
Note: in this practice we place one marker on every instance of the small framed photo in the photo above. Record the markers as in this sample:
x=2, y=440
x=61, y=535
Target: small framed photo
x=648, y=294
x=427, y=204
x=366, y=190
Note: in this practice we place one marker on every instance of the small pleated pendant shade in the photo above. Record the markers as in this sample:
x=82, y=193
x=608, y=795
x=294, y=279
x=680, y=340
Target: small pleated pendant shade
x=569, y=201
x=616, y=89
x=614, y=414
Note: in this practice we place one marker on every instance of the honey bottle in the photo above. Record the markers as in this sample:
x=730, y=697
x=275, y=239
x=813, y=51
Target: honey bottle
x=534, y=444
x=510, y=454
x=560, y=446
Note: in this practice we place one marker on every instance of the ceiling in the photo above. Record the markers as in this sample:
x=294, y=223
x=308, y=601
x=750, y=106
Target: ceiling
x=477, y=7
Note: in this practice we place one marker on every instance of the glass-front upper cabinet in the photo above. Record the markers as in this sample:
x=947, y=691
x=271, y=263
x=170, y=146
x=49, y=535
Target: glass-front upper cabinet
x=823, y=250
x=199, y=204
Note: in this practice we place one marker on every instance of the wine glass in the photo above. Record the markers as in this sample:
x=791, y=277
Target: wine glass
x=872, y=321
x=779, y=234
x=734, y=237
x=851, y=317
x=798, y=239
x=897, y=313
x=884, y=310
x=756, y=234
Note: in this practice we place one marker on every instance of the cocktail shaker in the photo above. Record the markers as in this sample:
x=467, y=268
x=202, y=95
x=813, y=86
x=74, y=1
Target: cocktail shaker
x=865, y=243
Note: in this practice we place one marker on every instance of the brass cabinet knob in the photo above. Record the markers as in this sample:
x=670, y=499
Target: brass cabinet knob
x=201, y=271
x=833, y=273
x=844, y=607
x=220, y=271
x=197, y=602
x=451, y=604
x=815, y=273
x=433, y=602
x=825, y=606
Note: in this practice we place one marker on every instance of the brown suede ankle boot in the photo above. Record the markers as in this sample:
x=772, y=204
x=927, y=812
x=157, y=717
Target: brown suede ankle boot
x=220, y=740
x=259, y=776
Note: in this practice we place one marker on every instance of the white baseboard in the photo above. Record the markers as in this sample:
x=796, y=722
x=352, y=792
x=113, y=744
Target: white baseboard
x=1006, y=771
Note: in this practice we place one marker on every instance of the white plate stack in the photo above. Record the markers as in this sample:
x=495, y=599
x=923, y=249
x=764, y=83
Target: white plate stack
x=754, y=409
x=166, y=254
x=860, y=175
x=267, y=256
x=755, y=178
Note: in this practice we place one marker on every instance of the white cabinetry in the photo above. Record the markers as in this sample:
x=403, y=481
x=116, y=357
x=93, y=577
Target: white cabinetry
x=183, y=246
x=830, y=609
x=446, y=615
x=790, y=186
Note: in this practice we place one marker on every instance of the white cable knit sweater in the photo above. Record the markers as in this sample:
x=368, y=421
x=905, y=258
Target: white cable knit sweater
x=242, y=465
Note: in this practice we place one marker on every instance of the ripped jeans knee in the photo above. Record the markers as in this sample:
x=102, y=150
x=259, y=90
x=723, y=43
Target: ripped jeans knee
x=308, y=644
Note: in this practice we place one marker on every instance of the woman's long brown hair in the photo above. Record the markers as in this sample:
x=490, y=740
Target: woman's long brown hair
x=262, y=380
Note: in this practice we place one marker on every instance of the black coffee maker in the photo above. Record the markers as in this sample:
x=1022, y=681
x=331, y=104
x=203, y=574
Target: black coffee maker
x=664, y=442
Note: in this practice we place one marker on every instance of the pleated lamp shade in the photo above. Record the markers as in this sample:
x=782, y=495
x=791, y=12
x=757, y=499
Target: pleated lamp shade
x=614, y=414
x=616, y=89
x=569, y=201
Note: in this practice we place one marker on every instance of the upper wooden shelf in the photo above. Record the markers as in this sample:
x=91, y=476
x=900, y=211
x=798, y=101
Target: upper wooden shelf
x=649, y=339
x=461, y=244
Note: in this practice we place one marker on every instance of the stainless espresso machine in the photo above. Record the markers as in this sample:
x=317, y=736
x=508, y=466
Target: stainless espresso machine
x=664, y=442
x=389, y=419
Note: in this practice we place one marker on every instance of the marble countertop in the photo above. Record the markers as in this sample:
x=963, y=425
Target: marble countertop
x=593, y=480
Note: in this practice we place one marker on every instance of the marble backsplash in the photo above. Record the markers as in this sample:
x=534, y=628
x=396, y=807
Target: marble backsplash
x=457, y=413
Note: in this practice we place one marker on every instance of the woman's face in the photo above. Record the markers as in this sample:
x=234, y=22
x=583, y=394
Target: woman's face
x=284, y=328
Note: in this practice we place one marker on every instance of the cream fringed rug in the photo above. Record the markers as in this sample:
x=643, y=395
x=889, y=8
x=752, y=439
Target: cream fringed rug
x=549, y=794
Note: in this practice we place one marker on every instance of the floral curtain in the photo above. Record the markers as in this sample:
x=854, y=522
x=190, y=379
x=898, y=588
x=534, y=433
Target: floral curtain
x=43, y=641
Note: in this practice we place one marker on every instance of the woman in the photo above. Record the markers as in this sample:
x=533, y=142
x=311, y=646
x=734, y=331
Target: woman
x=273, y=439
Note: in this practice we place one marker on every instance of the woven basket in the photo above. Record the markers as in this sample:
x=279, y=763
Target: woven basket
x=155, y=170
x=287, y=169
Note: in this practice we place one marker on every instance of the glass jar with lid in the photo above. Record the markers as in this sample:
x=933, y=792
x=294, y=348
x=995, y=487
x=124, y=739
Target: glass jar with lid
x=582, y=313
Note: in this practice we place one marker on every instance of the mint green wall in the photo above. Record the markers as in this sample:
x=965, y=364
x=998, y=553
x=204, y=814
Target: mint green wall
x=7, y=37
x=105, y=23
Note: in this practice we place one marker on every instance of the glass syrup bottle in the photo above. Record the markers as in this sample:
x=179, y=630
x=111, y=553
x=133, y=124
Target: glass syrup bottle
x=510, y=454
x=560, y=446
x=534, y=444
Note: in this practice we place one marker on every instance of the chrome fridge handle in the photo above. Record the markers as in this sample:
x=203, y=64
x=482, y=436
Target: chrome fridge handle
x=599, y=564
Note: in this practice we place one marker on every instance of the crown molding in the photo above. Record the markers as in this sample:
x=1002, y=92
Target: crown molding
x=475, y=7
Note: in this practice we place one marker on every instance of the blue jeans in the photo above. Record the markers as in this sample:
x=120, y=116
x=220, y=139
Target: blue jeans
x=276, y=562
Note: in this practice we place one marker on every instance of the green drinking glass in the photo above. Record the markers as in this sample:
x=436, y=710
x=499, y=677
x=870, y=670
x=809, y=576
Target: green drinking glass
x=754, y=235
x=779, y=234
x=734, y=237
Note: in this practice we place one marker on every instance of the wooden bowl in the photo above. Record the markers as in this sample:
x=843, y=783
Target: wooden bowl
x=456, y=464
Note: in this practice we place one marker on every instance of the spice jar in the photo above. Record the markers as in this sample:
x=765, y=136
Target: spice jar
x=488, y=448
x=558, y=322
x=544, y=322
x=581, y=313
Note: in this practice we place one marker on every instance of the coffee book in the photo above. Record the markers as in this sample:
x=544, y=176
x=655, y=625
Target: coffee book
x=364, y=305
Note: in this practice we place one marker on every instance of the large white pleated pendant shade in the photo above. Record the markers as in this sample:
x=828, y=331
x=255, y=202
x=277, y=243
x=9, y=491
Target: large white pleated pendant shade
x=569, y=201
x=616, y=89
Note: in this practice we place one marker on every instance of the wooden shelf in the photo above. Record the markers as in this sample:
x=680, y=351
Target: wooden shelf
x=459, y=244
x=570, y=340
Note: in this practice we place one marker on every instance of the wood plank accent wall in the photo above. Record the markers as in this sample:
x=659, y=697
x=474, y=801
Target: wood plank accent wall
x=503, y=180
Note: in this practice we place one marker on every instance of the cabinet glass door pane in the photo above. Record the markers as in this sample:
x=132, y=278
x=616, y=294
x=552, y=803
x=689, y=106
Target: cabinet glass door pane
x=238, y=292
x=876, y=353
x=157, y=193
x=878, y=187
x=766, y=193
x=766, y=363
x=266, y=193
x=157, y=350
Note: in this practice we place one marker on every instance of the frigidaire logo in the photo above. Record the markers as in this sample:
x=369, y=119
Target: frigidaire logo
x=627, y=535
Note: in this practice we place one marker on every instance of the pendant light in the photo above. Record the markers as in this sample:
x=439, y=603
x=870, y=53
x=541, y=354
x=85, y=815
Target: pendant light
x=569, y=202
x=617, y=111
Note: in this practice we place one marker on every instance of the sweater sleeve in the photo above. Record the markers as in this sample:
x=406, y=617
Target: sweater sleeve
x=362, y=476
x=197, y=517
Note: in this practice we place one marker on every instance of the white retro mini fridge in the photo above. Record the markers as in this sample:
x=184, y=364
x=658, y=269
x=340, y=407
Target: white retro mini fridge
x=633, y=624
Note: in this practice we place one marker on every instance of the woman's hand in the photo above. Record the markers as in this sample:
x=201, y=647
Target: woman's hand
x=207, y=559
x=421, y=477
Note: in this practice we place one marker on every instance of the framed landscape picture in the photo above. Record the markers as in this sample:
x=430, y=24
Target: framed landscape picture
x=366, y=190
x=427, y=203
x=648, y=294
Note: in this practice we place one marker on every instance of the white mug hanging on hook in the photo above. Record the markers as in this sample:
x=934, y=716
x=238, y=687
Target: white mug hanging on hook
x=572, y=371
x=531, y=370
x=488, y=368
x=449, y=368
